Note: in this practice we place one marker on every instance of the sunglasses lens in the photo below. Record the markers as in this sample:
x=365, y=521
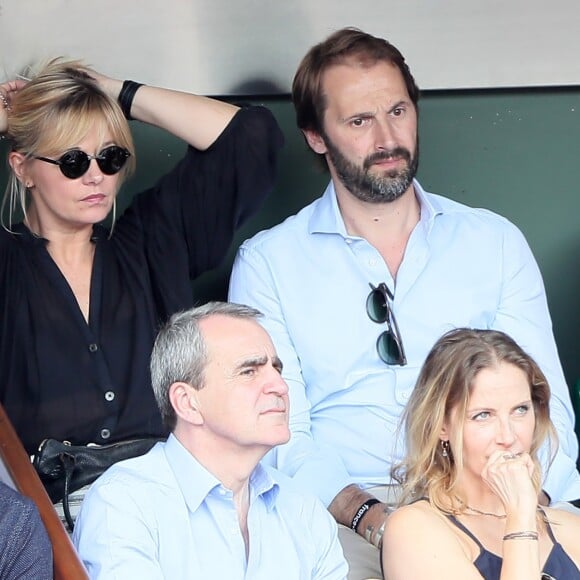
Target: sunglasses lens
x=74, y=163
x=377, y=306
x=112, y=159
x=388, y=349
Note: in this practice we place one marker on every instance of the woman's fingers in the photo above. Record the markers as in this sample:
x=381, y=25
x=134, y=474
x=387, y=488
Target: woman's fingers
x=509, y=475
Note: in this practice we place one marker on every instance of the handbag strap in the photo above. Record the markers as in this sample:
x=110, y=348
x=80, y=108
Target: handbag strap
x=68, y=462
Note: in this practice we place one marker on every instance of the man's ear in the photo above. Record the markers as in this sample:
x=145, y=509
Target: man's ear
x=183, y=398
x=315, y=141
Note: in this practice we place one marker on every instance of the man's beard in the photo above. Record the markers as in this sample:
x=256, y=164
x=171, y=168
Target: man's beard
x=375, y=187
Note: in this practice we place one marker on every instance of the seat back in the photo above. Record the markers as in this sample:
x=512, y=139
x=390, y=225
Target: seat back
x=23, y=477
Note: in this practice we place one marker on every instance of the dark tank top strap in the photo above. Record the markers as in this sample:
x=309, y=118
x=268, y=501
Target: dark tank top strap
x=453, y=519
x=548, y=526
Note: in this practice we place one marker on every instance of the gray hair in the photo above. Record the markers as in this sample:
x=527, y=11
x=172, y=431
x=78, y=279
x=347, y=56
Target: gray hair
x=180, y=353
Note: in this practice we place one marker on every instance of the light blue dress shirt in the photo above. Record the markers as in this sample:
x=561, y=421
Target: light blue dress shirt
x=462, y=267
x=163, y=516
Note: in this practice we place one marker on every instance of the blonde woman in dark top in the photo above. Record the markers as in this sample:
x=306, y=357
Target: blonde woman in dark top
x=471, y=478
x=80, y=302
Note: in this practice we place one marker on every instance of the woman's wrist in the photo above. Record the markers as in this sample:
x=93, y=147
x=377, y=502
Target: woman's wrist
x=126, y=96
x=525, y=535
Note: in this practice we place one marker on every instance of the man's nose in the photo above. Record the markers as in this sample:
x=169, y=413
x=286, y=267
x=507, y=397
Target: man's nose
x=384, y=135
x=276, y=384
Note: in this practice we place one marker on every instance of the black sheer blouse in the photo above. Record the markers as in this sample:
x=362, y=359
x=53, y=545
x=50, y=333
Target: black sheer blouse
x=62, y=378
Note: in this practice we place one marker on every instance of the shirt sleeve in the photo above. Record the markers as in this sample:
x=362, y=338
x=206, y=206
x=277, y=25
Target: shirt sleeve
x=319, y=471
x=208, y=194
x=113, y=537
x=523, y=314
x=331, y=564
x=27, y=553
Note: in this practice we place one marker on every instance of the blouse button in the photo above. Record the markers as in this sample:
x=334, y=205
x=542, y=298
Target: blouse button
x=105, y=433
x=93, y=347
x=109, y=396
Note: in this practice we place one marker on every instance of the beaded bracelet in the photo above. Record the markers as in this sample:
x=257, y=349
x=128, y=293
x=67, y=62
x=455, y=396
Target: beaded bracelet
x=521, y=536
x=126, y=97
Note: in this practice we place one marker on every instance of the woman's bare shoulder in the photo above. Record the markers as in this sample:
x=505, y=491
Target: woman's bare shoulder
x=419, y=521
x=420, y=542
x=416, y=512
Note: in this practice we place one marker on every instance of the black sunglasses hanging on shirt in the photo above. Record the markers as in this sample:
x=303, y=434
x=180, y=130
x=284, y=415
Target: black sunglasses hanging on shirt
x=389, y=343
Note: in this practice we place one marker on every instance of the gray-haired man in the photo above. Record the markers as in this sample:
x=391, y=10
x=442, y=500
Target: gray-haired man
x=201, y=505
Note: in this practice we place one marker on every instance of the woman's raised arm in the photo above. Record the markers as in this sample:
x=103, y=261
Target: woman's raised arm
x=196, y=119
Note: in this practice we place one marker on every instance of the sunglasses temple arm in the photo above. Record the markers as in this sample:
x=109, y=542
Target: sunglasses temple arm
x=397, y=335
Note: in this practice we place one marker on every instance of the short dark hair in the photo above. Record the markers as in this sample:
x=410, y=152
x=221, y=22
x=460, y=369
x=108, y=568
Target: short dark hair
x=347, y=43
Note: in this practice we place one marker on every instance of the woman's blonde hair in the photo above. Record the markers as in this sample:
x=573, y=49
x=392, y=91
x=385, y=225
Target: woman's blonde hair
x=53, y=112
x=444, y=386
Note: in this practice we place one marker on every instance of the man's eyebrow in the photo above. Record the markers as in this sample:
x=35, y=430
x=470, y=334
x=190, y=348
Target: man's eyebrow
x=401, y=103
x=257, y=361
x=277, y=363
x=360, y=115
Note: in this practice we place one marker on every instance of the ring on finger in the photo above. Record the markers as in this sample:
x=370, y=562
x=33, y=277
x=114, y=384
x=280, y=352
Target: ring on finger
x=509, y=456
x=5, y=102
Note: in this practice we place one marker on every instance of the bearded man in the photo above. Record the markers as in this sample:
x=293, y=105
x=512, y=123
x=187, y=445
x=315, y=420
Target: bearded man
x=357, y=287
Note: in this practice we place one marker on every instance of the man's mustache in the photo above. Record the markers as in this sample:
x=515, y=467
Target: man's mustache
x=386, y=154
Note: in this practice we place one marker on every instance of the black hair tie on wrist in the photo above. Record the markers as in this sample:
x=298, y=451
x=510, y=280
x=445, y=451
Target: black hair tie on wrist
x=126, y=97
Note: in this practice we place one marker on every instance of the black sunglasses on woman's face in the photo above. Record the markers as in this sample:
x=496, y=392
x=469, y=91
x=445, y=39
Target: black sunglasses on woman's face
x=75, y=163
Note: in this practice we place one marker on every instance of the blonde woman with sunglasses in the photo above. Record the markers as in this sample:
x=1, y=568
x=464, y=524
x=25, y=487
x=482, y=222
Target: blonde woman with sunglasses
x=81, y=301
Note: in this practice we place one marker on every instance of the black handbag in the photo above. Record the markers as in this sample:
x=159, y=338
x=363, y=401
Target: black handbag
x=64, y=468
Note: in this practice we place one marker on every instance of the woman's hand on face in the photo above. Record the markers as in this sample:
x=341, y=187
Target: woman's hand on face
x=7, y=92
x=509, y=476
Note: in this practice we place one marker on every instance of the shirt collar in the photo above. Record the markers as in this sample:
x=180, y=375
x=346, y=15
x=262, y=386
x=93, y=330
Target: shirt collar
x=327, y=219
x=263, y=484
x=429, y=205
x=196, y=482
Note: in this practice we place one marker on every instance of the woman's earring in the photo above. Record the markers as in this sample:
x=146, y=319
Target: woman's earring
x=445, y=448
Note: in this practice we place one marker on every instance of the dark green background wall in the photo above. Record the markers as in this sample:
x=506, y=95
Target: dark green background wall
x=516, y=152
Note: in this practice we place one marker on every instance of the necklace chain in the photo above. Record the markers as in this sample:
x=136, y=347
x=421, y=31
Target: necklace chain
x=482, y=513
